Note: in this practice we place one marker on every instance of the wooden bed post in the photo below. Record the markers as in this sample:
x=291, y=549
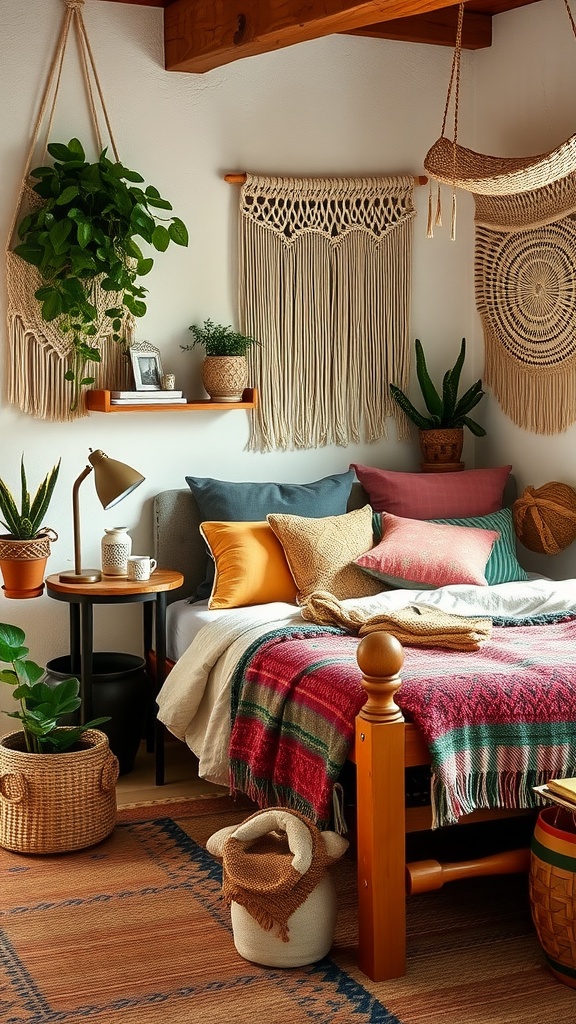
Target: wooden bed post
x=379, y=755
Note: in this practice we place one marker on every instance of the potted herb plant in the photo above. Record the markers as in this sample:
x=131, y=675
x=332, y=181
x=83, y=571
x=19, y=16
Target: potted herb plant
x=84, y=239
x=441, y=432
x=57, y=783
x=225, y=368
x=24, y=550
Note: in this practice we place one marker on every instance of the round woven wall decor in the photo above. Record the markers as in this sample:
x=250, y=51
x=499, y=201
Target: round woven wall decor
x=527, y=290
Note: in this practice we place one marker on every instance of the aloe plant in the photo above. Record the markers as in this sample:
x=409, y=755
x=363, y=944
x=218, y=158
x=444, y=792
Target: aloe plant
x=445, y=410
x=41, y=703
x=25, y=523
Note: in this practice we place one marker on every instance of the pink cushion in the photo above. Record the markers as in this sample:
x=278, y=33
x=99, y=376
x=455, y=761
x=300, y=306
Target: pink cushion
x=473, y=492
x=416, y=554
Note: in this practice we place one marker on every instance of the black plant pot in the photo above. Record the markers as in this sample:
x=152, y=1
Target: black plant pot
x=120, y=688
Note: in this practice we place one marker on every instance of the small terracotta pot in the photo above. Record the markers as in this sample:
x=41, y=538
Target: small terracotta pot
x=23, y=564
x=441, y=450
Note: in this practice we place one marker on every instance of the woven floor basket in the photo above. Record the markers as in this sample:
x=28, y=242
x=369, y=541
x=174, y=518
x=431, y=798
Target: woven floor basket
x=553, y=890
x=54, y=803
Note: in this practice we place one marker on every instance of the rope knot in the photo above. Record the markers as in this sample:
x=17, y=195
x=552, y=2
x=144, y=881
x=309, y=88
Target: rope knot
x=74, y=5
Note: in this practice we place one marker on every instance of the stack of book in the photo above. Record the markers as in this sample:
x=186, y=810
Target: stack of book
x=147, y=398
x=560, y=791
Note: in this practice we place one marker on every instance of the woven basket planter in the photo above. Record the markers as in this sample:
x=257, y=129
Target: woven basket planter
x=553, y=890
x=23, y=564
x=225, y=377
x=441, y=450
x=54, y=803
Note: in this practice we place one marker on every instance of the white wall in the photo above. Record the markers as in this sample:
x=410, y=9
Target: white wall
x=524, y=104
x=340, y=105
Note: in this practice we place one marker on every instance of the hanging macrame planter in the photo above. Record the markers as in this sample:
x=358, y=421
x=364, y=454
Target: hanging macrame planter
x=39, y=351
x=525, y=266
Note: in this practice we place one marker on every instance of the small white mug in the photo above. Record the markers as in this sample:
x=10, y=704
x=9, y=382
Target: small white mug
x=140, y=567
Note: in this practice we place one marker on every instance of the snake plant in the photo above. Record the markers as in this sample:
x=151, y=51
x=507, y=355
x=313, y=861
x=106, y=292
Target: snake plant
x=25, y=523
x=445, y=410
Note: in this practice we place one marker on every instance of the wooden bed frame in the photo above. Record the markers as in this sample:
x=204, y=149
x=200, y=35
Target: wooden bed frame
x=384, y=876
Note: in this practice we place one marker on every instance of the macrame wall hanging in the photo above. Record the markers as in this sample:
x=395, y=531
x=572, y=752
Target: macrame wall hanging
x=38, y=352
x=324, y=285
x=525, y=266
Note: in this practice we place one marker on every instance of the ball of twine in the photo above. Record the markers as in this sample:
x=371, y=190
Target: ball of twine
x=545, y=517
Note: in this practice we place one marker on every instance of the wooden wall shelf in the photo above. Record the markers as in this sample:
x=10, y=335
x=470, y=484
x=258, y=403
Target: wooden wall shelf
x=99, y=401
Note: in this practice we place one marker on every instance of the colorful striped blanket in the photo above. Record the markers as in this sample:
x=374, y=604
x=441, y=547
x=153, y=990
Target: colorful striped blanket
x=497, y=721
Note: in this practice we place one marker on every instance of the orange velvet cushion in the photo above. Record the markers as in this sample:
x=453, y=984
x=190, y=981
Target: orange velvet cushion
x=250, y=565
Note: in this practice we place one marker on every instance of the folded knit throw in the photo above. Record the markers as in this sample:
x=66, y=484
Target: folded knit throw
x=413, y=626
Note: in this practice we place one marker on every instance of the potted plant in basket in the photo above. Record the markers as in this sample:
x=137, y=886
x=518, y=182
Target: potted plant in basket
x=24, y=550
x=441, y=433
x=56, y=782
x=225, y=368
x=82, y=240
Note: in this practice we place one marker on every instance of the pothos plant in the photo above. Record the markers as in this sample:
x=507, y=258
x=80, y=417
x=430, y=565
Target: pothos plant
x=41, y=704
x=84, y=237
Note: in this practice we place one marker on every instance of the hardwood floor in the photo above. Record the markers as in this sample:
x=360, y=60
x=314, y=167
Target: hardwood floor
x=138, y=786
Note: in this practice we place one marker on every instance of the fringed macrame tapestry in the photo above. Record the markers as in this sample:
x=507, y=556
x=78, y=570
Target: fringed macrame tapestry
x=38, y=352
x=324, y=285
x=525, y=267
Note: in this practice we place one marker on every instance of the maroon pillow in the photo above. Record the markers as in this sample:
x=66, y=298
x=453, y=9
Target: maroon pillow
x=472, y=492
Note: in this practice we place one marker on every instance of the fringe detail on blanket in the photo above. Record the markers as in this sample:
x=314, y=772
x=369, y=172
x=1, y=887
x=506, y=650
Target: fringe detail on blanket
x=325, y=286
x=490, y=790
x=266, y=793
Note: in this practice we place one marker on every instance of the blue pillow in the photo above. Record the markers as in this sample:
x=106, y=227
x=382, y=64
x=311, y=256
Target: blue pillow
x=502, y=566
x=230, y=501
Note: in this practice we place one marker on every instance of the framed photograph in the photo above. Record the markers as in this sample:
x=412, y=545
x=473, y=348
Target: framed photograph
x=147, y=368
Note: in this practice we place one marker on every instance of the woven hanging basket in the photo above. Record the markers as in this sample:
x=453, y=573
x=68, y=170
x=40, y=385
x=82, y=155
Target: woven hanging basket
x=545, y=518
x=553, y=890
x=54, y=803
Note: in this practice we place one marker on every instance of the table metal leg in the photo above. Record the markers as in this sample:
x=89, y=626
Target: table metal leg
x=160, y=637
x=75, y=663
x=86, y=650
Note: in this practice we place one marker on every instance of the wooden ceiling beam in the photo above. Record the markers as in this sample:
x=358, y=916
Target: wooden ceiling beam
x=438, y=28
x=205, y=34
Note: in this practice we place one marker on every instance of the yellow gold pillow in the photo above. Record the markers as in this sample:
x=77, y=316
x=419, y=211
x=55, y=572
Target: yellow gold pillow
x=321, y=552
x=250, y=565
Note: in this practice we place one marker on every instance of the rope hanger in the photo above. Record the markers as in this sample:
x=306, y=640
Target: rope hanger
x=452, y=164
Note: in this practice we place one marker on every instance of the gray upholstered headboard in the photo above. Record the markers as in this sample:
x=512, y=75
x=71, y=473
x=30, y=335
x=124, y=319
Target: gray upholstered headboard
x=179, y=545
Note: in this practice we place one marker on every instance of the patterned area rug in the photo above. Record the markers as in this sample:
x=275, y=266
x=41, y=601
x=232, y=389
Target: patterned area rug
x=134, y=931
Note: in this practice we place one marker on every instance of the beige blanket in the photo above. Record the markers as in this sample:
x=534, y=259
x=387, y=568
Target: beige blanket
x=416, y=627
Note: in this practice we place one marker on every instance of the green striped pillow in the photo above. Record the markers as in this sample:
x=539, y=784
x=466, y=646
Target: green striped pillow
x=502, y=566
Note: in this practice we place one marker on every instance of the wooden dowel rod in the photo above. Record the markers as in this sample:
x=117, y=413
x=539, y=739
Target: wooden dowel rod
x=239, y=179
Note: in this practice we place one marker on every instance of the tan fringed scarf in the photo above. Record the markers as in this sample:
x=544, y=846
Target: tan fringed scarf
x=325, y=285
x=415, y=627
x=259, y=875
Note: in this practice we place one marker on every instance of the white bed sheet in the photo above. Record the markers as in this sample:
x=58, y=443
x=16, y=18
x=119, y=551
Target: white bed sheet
x=194, y=702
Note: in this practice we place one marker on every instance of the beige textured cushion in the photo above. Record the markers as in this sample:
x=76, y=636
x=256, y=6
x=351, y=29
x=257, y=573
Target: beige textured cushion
x=321, y=552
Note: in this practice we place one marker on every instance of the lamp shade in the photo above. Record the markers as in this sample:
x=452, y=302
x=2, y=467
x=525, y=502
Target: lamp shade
x=113, y=480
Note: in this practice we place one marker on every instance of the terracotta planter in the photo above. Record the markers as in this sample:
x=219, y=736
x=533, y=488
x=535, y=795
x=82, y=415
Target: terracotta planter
x=441, y=450
x=225, y=377
x=53, y=803
x=23, y=564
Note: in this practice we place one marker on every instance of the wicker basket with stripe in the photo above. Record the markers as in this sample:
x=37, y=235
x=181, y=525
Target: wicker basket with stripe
x=54, y=803
x=553, y=890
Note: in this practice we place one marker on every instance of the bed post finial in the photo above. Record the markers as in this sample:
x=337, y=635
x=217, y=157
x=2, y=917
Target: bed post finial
x=380, y=657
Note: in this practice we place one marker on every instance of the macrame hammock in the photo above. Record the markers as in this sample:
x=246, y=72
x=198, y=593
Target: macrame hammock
x=38, y=351
x=525, y=266
x=324, y=286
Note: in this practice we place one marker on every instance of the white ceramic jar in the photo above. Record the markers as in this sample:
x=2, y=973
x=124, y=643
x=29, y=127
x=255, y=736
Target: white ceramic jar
x=116, y=547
